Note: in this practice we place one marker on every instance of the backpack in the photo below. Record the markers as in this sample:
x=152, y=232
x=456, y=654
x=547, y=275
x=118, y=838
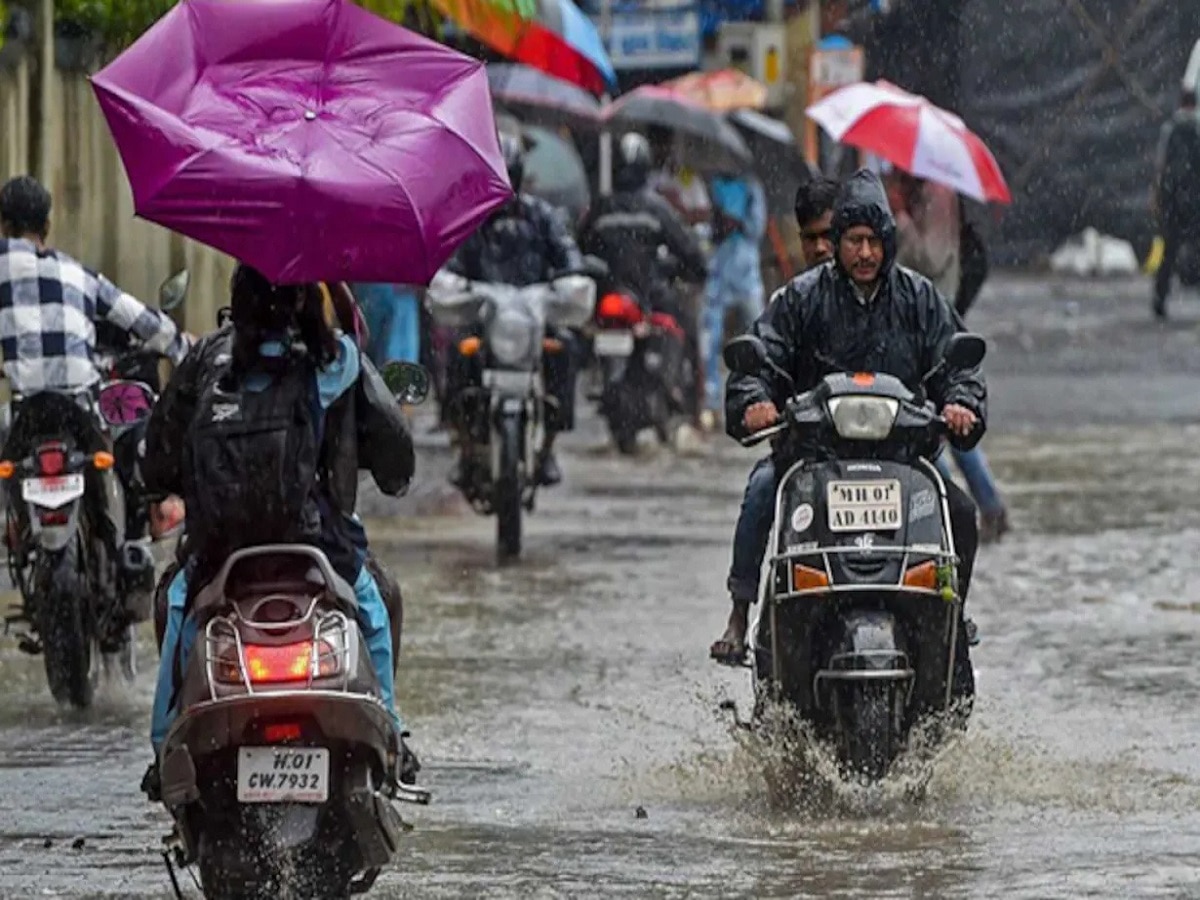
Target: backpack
x=251, y=462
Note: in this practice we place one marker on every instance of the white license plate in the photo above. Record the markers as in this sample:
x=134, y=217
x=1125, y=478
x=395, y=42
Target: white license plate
x=613, y=343
x=52, y=492
x=508, y=382
x=864, y=505
x=283, y=775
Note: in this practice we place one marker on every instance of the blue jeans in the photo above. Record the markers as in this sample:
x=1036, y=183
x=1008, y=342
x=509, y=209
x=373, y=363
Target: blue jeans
x=974, y=467
x=734, y=281
x=752, y=532
x=181, y=633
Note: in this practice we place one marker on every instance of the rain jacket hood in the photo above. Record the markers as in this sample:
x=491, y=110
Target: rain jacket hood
x=863, y=201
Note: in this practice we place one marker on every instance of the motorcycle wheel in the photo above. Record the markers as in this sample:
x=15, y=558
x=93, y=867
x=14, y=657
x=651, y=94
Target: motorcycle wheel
x=508, y=490
x=870, y=743
x=624, y=436
x=66, y=645
x=621, y=413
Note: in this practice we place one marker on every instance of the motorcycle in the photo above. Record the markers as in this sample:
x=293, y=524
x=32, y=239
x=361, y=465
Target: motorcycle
x=860, y=620
x=502, y=412
x=281, y=768
x=643, y=367
x=80, y=595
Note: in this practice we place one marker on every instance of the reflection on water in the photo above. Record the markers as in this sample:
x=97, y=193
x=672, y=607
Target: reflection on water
x=552, y=701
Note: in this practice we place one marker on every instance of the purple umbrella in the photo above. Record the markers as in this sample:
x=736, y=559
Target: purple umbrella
x=309, y=138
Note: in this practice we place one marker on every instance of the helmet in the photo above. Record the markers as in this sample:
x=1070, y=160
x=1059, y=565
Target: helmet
x=633, y=161
x=514, y=159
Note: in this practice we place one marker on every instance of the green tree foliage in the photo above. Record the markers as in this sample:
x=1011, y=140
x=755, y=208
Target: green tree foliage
x=120, y=22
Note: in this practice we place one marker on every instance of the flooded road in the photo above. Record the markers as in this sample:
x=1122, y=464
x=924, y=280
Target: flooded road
x=551, y=701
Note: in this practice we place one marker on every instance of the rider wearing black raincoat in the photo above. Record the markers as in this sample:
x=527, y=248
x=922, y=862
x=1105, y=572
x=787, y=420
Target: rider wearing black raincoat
x=898, y=325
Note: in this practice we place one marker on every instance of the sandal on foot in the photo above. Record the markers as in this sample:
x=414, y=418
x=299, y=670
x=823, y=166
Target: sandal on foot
x=728, y=653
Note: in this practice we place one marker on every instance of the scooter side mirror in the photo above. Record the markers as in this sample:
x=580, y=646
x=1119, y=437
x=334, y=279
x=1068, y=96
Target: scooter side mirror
x=965, y=350
x=745, y=354
x=173, y=291
x=408, y=382
x=124, y=403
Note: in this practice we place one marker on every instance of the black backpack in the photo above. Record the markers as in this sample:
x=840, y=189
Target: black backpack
x=251, y=462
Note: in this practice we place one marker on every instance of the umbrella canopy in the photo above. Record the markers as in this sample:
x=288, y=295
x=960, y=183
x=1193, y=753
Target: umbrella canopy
x=721, y=91
x=555, y=172
x=551, y=35
x=654, y=105
x=309, y=138
x=778, y=161
x=538, y=95
x=910, y=132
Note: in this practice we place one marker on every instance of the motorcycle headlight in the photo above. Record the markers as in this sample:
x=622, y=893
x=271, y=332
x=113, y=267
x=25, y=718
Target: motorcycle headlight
x=863, y=418
x=511, y=340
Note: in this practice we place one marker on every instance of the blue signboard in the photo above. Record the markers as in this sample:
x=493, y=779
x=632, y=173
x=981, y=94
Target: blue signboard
x=654, y=37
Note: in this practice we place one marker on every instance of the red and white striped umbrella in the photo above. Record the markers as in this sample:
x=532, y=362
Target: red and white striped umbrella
x=910, y=132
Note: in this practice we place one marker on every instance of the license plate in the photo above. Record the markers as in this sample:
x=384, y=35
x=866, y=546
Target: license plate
x=52, y=492
x=613, y=343
x=283, y=775
x=508, y=382
x=864, y=505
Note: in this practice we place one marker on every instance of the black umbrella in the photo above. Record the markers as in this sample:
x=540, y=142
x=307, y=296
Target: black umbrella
x=778, y=161
x=652, y=105
x=534, y=94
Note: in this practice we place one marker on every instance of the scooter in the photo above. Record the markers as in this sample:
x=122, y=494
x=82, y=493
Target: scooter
x=281, y=769
x=860, y=628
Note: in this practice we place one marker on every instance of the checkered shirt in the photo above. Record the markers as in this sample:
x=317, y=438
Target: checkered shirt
x=49, y=304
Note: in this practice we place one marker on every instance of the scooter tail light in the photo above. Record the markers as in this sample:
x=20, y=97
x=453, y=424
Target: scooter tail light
x=52, y=459
x=281, y=663
x=282, y=732
x=619, y=308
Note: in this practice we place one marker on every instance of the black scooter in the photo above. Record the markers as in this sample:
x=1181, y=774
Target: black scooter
x=860, y=626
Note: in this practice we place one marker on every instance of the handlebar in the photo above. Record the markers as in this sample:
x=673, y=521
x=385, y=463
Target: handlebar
x=752, y=440
x=784, y=423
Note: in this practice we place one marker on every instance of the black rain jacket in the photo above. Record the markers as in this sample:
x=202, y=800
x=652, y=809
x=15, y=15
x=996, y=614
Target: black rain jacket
x=902, y=331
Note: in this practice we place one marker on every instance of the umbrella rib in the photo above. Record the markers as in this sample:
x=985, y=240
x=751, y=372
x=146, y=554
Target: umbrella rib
x=403, y=188
x=174, y=174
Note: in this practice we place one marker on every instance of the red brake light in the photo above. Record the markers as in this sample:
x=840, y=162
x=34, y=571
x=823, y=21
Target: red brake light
x=280, y=732
x=619, y=308
x=668, y=323
x=289, y=662
x=52, y=460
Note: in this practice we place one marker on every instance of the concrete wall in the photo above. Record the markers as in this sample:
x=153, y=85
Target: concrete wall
x=93, y=206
